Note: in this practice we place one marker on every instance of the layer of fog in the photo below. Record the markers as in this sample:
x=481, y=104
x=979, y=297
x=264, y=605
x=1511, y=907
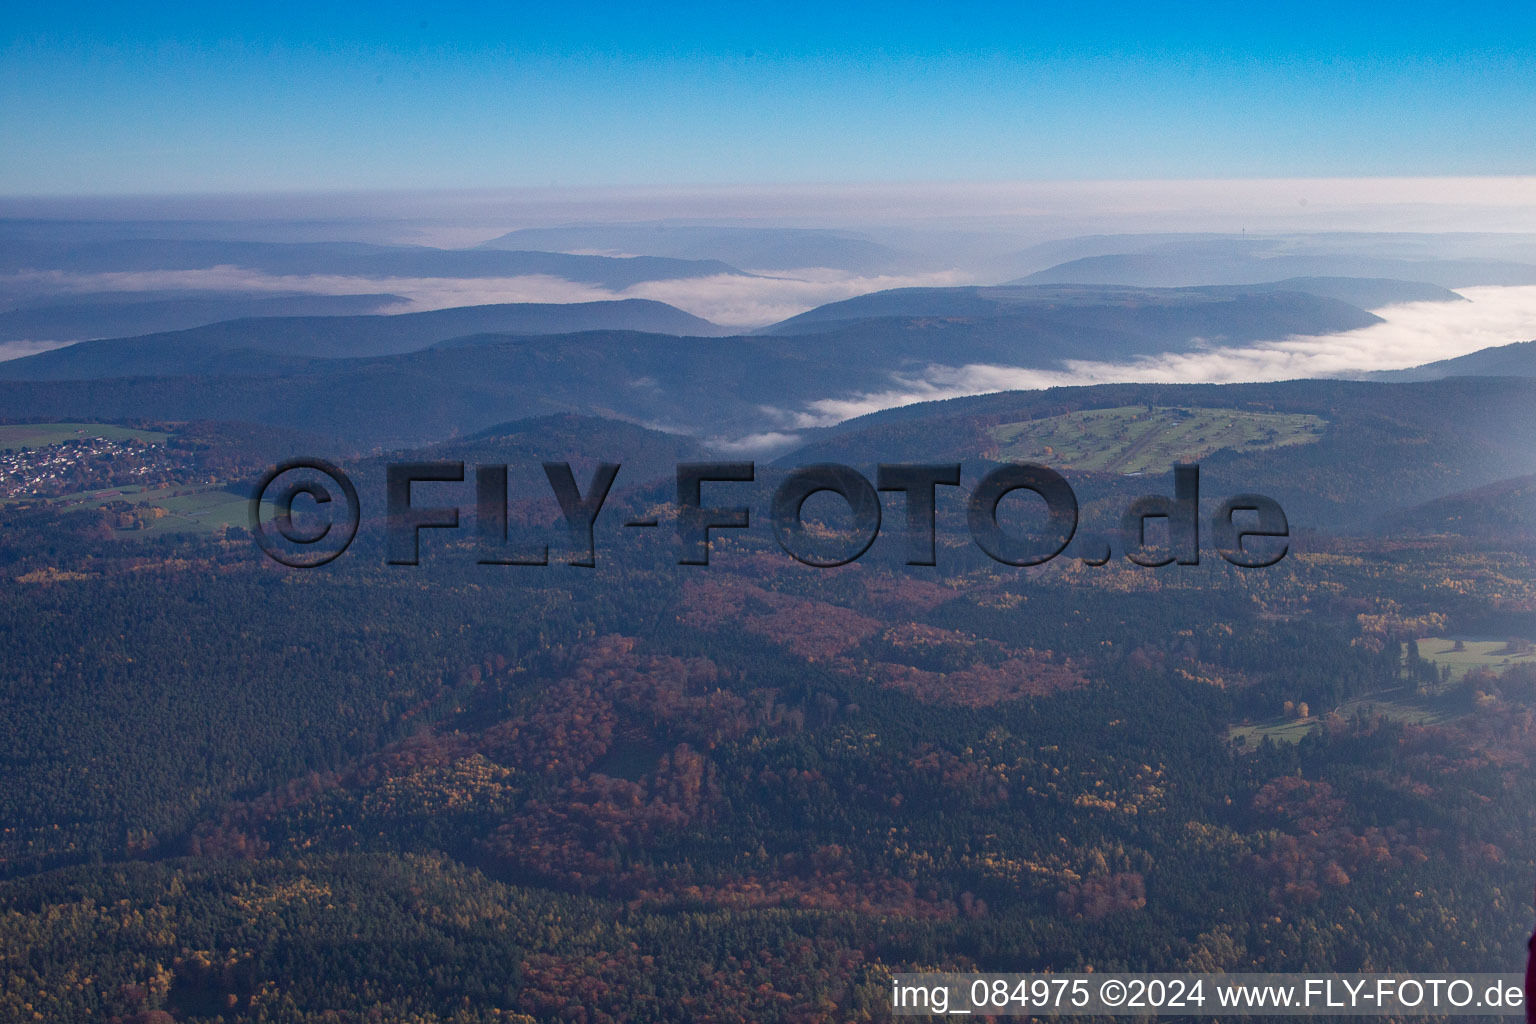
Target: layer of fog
x=1030, y=210
x=1412, y=334
x=17, y=349
x=731, y=300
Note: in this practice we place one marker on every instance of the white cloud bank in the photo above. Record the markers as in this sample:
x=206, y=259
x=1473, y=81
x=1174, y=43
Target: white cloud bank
x=728, y=299
x=17, y=349
x=1047, y=209
x=1413, y=333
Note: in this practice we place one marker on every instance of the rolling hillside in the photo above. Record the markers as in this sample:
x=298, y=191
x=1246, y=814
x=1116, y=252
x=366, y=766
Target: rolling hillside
x=1172, y=316
x=1232, y=261
x=751, y=248
x=125, y=314
x=1516, y=360
x=709, y=387
x=285, y=342
x=348, y=259
x=1334, y=453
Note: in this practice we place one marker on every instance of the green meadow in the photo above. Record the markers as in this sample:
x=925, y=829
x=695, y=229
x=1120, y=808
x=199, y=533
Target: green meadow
x=202, y=511
x=39, y=435
x=1138, y=439
x=1398, y=705
x=1490, y=654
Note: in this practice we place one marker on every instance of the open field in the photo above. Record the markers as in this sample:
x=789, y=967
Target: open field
x=38, y=435
x=1288, y=730
x=1398, y=705
x=203, y=510
x=1489, y=654
x=1403, y=706
x=1137, y=439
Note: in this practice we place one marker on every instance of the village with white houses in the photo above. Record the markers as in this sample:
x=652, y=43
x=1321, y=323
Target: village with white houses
x=72, y=465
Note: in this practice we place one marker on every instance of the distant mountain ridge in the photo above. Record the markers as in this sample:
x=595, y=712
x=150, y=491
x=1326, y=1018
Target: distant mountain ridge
x=1503, y=512
x=1513, y=360
x=1503, y=247
x=1246, y=314
x=1369, y=293
x=645, y=454
x=1233, y=260
x=349, y=259
x=125, y=314
x=287, y=342
x=1386, y=447
x=760, y=249
x=414, y=378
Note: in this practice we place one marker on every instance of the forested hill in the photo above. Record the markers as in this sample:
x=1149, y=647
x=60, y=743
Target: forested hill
x=1225, y=315
x=1516, y=360
x=1334, y=452
x=275, y=342
x=270, y=371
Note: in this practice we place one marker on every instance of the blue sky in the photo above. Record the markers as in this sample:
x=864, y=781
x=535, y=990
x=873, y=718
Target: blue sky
x=98, y=98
